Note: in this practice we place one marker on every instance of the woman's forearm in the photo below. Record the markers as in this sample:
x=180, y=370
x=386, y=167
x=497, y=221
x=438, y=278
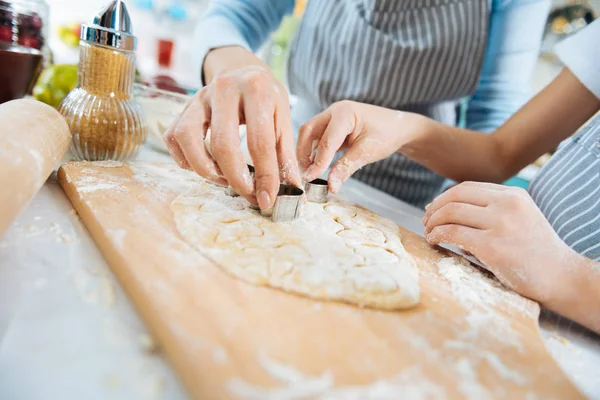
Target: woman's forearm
x=538, y=127
x=225, y=59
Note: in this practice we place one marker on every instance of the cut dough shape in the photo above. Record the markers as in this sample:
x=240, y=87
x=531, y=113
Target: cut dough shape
x=334, y=251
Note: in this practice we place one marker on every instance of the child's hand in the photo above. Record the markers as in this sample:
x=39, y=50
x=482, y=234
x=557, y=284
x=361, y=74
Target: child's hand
x=368, y=133
x=503, y=228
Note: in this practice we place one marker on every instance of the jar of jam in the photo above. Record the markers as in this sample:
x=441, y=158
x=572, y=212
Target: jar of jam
x=23, y=33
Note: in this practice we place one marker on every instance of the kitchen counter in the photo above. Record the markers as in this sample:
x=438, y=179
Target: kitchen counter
x=68, y=330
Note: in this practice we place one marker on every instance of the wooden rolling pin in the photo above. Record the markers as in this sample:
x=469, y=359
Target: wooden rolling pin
x=33, y=139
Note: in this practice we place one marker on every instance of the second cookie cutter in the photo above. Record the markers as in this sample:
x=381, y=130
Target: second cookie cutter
x=288, y=204
x=317, y=190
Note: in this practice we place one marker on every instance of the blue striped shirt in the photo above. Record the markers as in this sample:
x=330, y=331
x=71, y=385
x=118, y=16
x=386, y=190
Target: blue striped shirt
x=567, y=188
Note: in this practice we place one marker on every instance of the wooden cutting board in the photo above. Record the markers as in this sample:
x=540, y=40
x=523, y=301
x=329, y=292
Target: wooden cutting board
x=469, y=338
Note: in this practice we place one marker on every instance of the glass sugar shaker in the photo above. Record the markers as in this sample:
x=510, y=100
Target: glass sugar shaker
x=105, y=121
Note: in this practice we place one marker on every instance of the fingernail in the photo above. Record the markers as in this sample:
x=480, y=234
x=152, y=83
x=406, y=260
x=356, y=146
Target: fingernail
x=264, y=200
x=427, y=206
x=334, y=185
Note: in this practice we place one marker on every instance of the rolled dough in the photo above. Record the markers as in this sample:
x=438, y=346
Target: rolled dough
x=334, y=251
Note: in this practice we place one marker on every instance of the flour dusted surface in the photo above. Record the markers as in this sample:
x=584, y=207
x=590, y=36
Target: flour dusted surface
x=334, y=251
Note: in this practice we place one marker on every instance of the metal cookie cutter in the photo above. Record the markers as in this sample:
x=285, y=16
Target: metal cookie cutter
x=317, y=191
x=287, y=204
x=230, y=192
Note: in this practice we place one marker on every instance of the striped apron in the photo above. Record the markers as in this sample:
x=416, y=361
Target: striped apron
x=567, y=190
x=421, y=56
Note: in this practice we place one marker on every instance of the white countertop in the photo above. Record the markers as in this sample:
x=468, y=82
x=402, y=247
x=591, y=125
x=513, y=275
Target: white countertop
x=68, y=331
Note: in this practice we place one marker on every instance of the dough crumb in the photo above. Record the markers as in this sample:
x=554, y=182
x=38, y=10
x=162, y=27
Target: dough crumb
x=560, y=339
x=148, y=344
x=220, y=355
x=65, y=238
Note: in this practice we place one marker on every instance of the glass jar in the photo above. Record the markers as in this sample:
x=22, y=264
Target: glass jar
x=23, y=33
x=105, y=121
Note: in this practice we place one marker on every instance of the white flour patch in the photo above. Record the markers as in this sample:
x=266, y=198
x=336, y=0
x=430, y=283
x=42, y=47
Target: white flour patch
x=89, y=184
x=481, y=296
x=220, y=355
x=502, y=370
x=110, y=164
x=118, y=237
x=469, y=384
x=295, y=385
x=164, y=178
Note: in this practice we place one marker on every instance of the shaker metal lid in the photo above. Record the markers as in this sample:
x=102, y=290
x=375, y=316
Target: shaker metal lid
x=111, y=27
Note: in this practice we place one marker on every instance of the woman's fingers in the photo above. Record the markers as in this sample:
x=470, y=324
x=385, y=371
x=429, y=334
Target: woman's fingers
x=458, y=214
x=310, y=133
x=190, y=133
x=185, y=141
x=175, y=150
x=474, y=193
x=286, y=156
x=259, y=110
x=225, y=139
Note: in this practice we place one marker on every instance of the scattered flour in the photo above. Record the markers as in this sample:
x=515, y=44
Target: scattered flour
x=220, y=355
x=295, y=385
x=110, y=164
x=89, y=184
x=118, y=237
x=164, y=178
x=469, y=384
x=30, y=231
x=482, y=296
x=505, y=372
x=94, y=289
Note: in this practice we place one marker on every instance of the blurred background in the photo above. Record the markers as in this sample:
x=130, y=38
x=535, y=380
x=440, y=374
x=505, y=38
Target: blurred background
x=164, y=29
x=167, y=21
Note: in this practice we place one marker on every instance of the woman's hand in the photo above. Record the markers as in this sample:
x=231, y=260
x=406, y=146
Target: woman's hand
x=505, y=230
x=249, y=95
x=368, y=133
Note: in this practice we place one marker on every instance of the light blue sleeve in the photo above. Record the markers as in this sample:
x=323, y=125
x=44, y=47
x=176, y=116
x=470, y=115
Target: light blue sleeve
x=245, y=23
x=581, y=54
x=514, y=41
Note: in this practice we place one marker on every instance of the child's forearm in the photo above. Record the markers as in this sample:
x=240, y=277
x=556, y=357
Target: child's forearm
x=456, y=153
x=460, y=154
x=579, y=294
